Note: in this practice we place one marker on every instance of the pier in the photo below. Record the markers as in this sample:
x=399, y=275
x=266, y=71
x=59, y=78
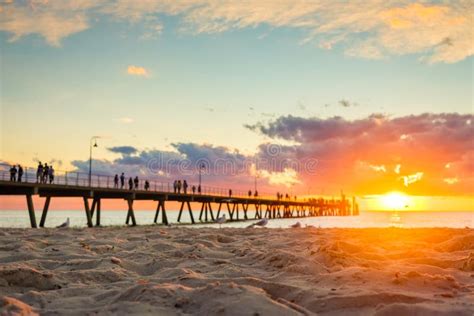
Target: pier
x=212, y=201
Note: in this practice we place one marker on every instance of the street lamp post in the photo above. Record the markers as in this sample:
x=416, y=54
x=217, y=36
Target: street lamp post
x=256, y=173
x=201, y=167
x=93, y=140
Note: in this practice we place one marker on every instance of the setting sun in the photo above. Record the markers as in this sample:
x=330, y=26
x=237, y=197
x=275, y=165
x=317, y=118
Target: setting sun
x=395, y=201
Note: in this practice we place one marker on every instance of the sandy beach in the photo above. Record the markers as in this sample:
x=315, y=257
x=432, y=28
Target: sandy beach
x=184, y=271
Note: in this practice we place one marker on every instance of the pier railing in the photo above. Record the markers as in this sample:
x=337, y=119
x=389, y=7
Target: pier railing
x=81, y=179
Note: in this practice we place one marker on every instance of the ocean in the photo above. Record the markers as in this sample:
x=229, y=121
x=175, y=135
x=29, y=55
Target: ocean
x=405, y=219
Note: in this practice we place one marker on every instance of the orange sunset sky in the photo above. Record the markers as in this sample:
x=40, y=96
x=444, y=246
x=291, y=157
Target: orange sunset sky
x=309, y=98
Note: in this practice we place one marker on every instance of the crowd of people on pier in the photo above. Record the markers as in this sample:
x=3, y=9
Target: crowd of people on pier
x=45, y=174
x=16, y=174
x=133, y=183
x=287, y=197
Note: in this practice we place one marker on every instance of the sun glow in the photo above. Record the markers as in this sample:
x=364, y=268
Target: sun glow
x=395, y=201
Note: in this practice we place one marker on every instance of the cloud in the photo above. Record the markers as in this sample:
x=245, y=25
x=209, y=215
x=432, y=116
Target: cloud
x=375, y=29
x=412, y=178
x=397, y=169
x=288, y=177
x=53, y=20
x=223, y=167
x=125, y=150
x=380, y=168
x=355, y=154
x=137, y=71
x=347, y=103
x=451, y=181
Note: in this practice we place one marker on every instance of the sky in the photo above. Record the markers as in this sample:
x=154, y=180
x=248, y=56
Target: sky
x=310, y=97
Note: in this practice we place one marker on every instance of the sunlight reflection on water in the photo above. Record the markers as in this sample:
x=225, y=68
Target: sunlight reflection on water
x=403, y=219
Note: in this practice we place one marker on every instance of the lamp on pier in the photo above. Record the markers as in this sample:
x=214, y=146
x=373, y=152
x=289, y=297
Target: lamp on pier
x=93, y=144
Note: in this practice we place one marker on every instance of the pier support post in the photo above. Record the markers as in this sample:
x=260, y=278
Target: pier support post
x=245, y=207
x=88, y=212
x=235, y=209
x=189, y=209
x=268, y=211
x=45, y=211
x=190, y=212
x=210, y=211
x=93, y=206
x=31, y=210
x=231, y=212
x=98, y=213
x=131, y=213
x=258, y=211
x=219, y=210
x=203, y=209
x=164, y=217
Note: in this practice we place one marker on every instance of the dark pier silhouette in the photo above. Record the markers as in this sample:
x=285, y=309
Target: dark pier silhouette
x=213, y=202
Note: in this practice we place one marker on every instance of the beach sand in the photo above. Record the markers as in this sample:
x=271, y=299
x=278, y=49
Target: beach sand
x=177, y=270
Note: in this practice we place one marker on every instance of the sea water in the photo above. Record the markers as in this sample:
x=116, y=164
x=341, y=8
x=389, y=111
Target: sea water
x=406, y=219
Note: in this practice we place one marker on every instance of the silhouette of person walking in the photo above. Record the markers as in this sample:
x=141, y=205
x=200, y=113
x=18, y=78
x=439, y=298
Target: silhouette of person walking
x=20, y=173
x=230, y=192
x=175, y=186
x=122, y=180
x=179, y=186
x=185, y=187
x=51, y=174
x=256, y=194
x=199, y=189
x=250, y=193
x=116, y=181
x=44, y=178
x=39, y=173
x=193, y=189
x=147, y=185
x=13, y=172
x=130, y=183
x=136, y=181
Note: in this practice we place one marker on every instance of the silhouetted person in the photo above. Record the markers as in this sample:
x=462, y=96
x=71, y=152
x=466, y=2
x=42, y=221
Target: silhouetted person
x=199, y=189
x=230, y=192
x=39, y=172
x=122, y=180
x=116, y=181
x=185, y=187
x=51, y=174
x=250, y=193
x=179, y=186
x=44, y=178
x=13, y=172
x=175, y=186
x=147, y=185
x=136, y=181
x=256, y=194
x=130, y=183
x=194, y=189
x=20, y=173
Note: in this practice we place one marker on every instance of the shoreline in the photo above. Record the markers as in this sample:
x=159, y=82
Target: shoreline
x=234, y=271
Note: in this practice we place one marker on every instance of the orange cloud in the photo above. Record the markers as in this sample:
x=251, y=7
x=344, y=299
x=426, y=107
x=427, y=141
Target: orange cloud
x=440, y=32
x=137, y=71
x=412, y=178
x=358, y=155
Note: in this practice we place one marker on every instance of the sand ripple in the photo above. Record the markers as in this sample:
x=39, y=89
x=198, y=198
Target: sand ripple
x=176, y=271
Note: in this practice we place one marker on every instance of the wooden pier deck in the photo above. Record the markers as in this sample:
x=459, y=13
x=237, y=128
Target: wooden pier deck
x=211, y=206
